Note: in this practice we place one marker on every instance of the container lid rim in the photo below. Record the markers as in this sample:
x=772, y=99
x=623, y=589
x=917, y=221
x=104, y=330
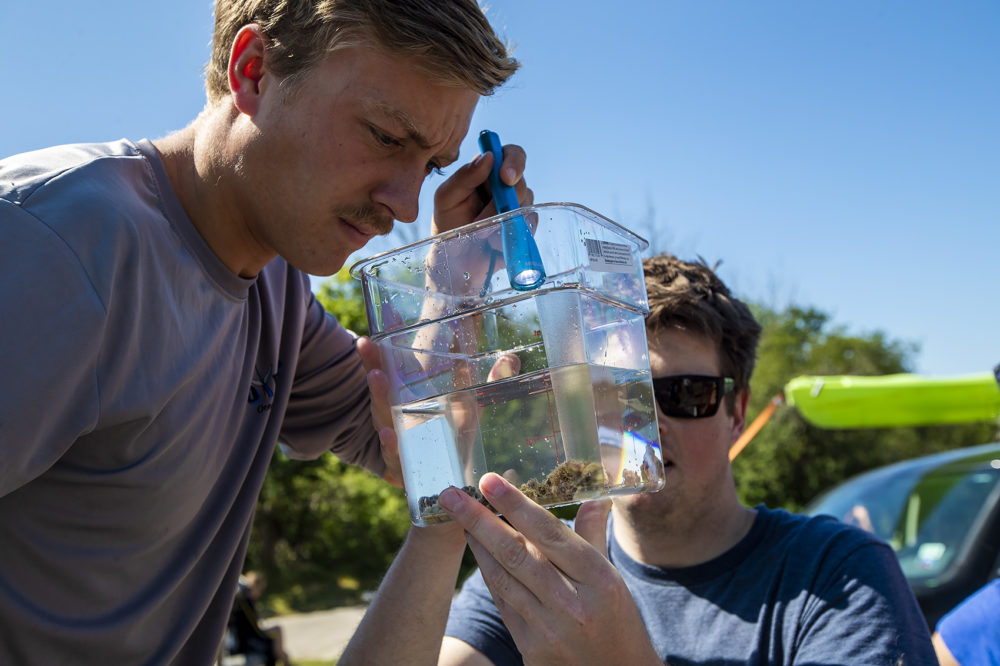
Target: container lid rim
x=356, y=269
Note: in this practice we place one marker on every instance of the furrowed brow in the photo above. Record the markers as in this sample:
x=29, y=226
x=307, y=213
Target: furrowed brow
x=410, y=128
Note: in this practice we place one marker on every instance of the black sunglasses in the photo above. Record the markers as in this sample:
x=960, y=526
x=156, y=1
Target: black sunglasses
x=691, y=396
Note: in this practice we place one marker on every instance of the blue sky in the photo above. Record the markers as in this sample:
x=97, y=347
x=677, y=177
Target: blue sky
x=839, y=154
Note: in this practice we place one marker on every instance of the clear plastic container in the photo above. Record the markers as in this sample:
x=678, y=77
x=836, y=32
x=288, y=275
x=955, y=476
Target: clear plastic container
x=571, y=418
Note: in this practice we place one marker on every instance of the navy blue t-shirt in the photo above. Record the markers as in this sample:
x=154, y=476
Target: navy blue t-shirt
x=795, y=590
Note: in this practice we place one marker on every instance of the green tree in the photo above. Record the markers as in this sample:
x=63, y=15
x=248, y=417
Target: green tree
x=790, y=461
x=342, y=297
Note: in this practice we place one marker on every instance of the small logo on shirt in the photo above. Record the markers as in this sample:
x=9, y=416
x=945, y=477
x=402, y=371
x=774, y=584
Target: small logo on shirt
x=262, y=389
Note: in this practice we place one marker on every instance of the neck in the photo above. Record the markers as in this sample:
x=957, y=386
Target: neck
x=676, y=539
x=201, y=161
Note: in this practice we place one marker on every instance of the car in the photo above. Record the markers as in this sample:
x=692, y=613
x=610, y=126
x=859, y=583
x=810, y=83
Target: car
x=941, y=515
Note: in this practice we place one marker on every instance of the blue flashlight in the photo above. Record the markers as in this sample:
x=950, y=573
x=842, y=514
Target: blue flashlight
x=520, y=253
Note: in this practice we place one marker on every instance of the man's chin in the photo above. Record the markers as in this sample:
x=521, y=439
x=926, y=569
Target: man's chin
x=321, y=266
x=321, y=273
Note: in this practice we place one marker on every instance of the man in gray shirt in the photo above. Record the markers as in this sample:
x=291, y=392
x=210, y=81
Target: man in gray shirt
x=159, y=333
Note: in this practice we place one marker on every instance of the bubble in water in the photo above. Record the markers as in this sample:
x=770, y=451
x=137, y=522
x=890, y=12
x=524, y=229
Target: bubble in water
x=466, y=275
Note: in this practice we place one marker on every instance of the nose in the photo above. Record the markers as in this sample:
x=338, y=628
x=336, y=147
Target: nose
x=400, y=193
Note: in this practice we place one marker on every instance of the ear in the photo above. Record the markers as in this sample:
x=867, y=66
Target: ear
x=740, y=413
x=246, y=69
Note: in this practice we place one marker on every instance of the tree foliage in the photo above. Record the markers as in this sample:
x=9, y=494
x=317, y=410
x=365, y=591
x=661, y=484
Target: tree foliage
x=342, y=297
x=320, y=523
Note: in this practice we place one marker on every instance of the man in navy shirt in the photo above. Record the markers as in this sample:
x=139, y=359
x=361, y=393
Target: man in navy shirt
x=687, y=575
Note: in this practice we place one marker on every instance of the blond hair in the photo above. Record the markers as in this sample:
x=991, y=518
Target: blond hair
x=450, y=40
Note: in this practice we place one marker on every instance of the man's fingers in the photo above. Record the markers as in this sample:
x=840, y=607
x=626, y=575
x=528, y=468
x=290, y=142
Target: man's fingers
x=514, y=161
x=378, y=383
x=515, y=601
x=514, y=569
x=505, y=367
x=592, y=523
x=368, y=351
x=457, y=201
x=512, y=173
x=566, y=550
x=390, y=453
x=378, y=387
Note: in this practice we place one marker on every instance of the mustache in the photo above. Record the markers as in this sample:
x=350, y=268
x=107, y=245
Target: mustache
x=368, y=216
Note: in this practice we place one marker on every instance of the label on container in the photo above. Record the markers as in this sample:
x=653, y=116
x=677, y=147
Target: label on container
x=609, y=257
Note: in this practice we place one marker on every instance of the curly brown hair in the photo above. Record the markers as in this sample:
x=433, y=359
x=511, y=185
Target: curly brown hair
x=690, y=296
x=451, y=40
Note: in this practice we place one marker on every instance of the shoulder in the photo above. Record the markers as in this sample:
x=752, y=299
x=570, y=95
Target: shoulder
x=83, y=208
x=84, y=195
x=823, y=553
x=833, y=559
x=29, y=175
x=848, y=589
x=811, y=532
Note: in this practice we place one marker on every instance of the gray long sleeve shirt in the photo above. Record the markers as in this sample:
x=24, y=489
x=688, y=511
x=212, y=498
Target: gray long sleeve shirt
x=144, y=388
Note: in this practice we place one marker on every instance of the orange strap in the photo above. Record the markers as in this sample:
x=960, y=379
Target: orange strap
x=755, y=427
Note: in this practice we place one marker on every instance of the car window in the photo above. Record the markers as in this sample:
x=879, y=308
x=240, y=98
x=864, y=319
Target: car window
x=874, y=502
x=925, y=512
x=939, y=514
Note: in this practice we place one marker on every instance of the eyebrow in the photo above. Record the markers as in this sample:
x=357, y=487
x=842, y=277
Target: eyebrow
x=410, y=128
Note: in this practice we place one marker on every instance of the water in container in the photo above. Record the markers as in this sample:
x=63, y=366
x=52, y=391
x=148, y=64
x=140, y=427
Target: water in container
x=549, y=388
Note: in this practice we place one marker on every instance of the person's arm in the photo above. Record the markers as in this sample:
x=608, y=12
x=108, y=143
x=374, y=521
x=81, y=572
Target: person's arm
x=329, y=408
x=561, y=599
x=406, y=619
x=413, y=600
x=52, y=336
x=461, y=270
x=455, y=652
x=944, y=655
